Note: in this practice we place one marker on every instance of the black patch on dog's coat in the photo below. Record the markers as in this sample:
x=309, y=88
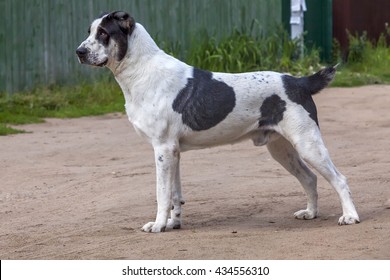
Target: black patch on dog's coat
x=272, y=110
x=298, y=90
x=102, y=36
x=117, y=26
x=204, y=102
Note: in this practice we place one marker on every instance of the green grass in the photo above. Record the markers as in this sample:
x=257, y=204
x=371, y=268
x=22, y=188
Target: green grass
x=367, y=63
x=6, y=130
x=243, y=51
x=347, y=78
x=59, y=102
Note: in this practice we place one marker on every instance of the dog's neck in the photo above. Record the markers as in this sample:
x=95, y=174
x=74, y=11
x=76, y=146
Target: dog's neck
x=141, y=49
x=142, y=66
x=131, y=69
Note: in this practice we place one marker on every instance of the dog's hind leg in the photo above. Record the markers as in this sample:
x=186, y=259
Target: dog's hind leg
x=309, y=145
x=283, y=152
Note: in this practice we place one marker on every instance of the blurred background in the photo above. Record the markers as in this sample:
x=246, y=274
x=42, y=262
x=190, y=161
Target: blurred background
x=38, y=38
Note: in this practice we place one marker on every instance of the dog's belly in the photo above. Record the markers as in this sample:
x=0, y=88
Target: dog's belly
x=224, y=133
x=203, y=141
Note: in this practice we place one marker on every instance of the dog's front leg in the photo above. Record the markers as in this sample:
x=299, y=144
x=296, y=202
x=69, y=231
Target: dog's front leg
x=167, y=160
x=177, y=201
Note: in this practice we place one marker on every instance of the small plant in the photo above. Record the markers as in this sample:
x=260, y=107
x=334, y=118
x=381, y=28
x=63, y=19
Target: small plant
x=336, y=52
x=358, y=45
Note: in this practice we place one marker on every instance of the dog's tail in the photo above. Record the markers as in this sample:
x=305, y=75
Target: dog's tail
x=318, y=81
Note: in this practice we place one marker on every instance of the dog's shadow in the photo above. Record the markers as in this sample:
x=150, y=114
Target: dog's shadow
x=252, y=216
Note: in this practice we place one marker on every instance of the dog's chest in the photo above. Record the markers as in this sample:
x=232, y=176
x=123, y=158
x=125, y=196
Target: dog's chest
x=139, y=119
x=148, y=120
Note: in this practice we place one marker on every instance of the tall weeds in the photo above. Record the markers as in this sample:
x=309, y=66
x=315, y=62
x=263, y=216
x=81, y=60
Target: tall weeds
x=244, y=52
x=367, y=61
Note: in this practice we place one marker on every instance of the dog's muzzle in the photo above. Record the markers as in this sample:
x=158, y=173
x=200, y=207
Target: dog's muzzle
x=81, y=52
x=83, y=55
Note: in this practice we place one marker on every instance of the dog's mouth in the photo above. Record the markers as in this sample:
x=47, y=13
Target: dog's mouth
x=83, y=60
x=104, y=63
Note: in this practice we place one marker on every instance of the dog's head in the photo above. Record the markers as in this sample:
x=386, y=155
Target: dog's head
x=108, y=39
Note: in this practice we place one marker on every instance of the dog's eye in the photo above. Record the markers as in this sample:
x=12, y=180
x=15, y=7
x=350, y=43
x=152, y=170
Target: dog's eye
x=89, y=30
x=103, y=35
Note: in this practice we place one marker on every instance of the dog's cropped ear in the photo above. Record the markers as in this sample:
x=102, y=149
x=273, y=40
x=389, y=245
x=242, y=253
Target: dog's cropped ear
x=126, y=22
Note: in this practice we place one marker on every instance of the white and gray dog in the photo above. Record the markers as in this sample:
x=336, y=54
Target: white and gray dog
x=177, y=108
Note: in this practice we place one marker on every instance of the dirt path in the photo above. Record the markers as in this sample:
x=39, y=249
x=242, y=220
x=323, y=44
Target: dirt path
x=82, y=189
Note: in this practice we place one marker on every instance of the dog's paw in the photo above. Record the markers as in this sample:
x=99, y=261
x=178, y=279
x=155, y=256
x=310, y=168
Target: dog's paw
x=153, y=227
x=173, y=224
x=305, y=214
x=348, y=220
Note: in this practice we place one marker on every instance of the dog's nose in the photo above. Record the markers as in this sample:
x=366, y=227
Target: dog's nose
x=81, y=51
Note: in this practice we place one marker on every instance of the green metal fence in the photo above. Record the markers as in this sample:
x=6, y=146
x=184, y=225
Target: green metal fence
x=318, y=25
x=38, y=38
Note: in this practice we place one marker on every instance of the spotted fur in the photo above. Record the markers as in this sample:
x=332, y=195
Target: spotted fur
x=204, y=102
x=177, y=107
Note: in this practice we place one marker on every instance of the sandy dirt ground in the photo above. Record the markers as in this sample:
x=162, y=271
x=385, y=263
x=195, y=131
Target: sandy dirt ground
x=83, y=188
